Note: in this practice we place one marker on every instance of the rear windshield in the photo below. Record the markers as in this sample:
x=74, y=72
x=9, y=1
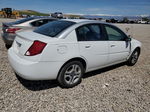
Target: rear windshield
x=22, y=20
x=54, y=28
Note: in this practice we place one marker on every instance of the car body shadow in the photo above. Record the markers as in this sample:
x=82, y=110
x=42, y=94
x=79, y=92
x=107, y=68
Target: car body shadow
x=37, y=85
x=103, y=70
x=47, y=84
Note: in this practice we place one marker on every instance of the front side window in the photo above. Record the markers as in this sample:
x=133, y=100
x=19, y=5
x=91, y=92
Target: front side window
x=91, y=32
x=53, y=28
x=114, y=34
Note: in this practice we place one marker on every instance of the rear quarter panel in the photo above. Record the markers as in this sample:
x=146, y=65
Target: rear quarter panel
x=62, y=50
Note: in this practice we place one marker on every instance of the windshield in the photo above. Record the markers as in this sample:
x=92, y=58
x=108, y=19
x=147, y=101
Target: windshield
x=54, y=28
x=22, y=20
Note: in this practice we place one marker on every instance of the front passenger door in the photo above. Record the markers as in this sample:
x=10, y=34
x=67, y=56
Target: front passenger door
x=118, y=47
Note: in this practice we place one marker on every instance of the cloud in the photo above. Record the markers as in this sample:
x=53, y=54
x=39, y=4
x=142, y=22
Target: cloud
x=91, y=14
x=144, y=15
x=105, y=15
x=74, y=14
x=101, y=10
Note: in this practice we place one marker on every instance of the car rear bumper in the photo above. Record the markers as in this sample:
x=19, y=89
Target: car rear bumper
x=33, y=70
x=8, y=38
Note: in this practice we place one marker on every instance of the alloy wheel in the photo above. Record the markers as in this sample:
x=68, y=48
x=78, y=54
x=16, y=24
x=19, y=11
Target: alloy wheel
x=72, y=74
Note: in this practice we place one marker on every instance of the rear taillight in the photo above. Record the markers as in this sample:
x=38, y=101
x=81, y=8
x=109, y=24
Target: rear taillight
x=36, y=48
x=12, y=30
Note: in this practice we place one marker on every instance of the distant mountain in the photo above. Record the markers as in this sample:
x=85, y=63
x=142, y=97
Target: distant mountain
x=31, y=12
x=36, y=13
x=115, y=17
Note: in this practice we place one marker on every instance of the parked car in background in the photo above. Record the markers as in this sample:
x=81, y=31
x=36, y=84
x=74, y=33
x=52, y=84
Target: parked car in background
x=142, y=22
x=10, y=29
x=66, y=49
x=57, y=15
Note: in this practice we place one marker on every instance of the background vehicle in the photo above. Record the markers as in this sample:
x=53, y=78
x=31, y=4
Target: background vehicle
x=66, y=49
x=142, y=22
x=57, y=15
x=9, y=13
x=3, y=14
x=9, y=29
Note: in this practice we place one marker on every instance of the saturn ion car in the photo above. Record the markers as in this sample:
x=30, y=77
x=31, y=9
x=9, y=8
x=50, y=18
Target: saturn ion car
x=66, y=49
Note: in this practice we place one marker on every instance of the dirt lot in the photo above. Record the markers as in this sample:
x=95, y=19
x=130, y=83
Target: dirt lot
x=114, y=89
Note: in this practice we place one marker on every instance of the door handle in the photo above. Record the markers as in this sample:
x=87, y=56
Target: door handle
x=112, y=45
x=88, y=46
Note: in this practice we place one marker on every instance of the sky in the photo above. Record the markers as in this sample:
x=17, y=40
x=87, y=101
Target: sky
x=95, y=7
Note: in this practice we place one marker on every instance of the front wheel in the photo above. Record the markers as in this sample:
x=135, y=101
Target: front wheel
x=71, y=74
x=133, y=58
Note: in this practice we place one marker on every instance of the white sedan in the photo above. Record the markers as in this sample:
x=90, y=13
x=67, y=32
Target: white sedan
x=66, y=49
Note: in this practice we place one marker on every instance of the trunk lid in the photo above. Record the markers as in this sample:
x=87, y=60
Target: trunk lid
x=24, y=40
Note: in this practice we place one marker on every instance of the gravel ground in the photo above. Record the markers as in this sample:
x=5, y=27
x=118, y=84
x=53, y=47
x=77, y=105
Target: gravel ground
x=114, y=89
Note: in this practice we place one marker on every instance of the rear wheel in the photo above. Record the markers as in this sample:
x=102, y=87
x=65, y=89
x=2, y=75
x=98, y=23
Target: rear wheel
x=133, y=58
x=7, y=46
x=71, y=74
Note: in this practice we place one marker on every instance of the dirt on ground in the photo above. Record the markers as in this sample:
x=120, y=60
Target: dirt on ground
x=118, y=88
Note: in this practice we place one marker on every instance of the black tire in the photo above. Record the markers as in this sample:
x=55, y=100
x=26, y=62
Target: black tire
x=7, y=46
x=71, y=74
x=133, y=58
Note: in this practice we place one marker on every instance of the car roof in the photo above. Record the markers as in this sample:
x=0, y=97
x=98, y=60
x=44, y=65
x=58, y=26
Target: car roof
x=40, y=17
x=30, y=19
x=33, y=18
x=36, y=18
x=78, y=20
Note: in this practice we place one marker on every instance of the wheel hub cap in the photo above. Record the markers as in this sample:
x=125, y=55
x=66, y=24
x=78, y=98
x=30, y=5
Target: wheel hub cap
x=72, y=74
x=135, y=57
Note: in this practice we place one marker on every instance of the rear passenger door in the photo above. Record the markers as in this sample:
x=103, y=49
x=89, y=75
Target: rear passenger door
x=93, y=45
x=118, y=46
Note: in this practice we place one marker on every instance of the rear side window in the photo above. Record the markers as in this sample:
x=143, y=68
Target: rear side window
x=114, y=34
x=54, y=28
x=40, y=22
x=91, y=32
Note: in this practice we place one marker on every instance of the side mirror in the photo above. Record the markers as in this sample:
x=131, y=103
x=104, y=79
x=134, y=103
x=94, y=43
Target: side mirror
x=128, y=39
x=129, y=36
